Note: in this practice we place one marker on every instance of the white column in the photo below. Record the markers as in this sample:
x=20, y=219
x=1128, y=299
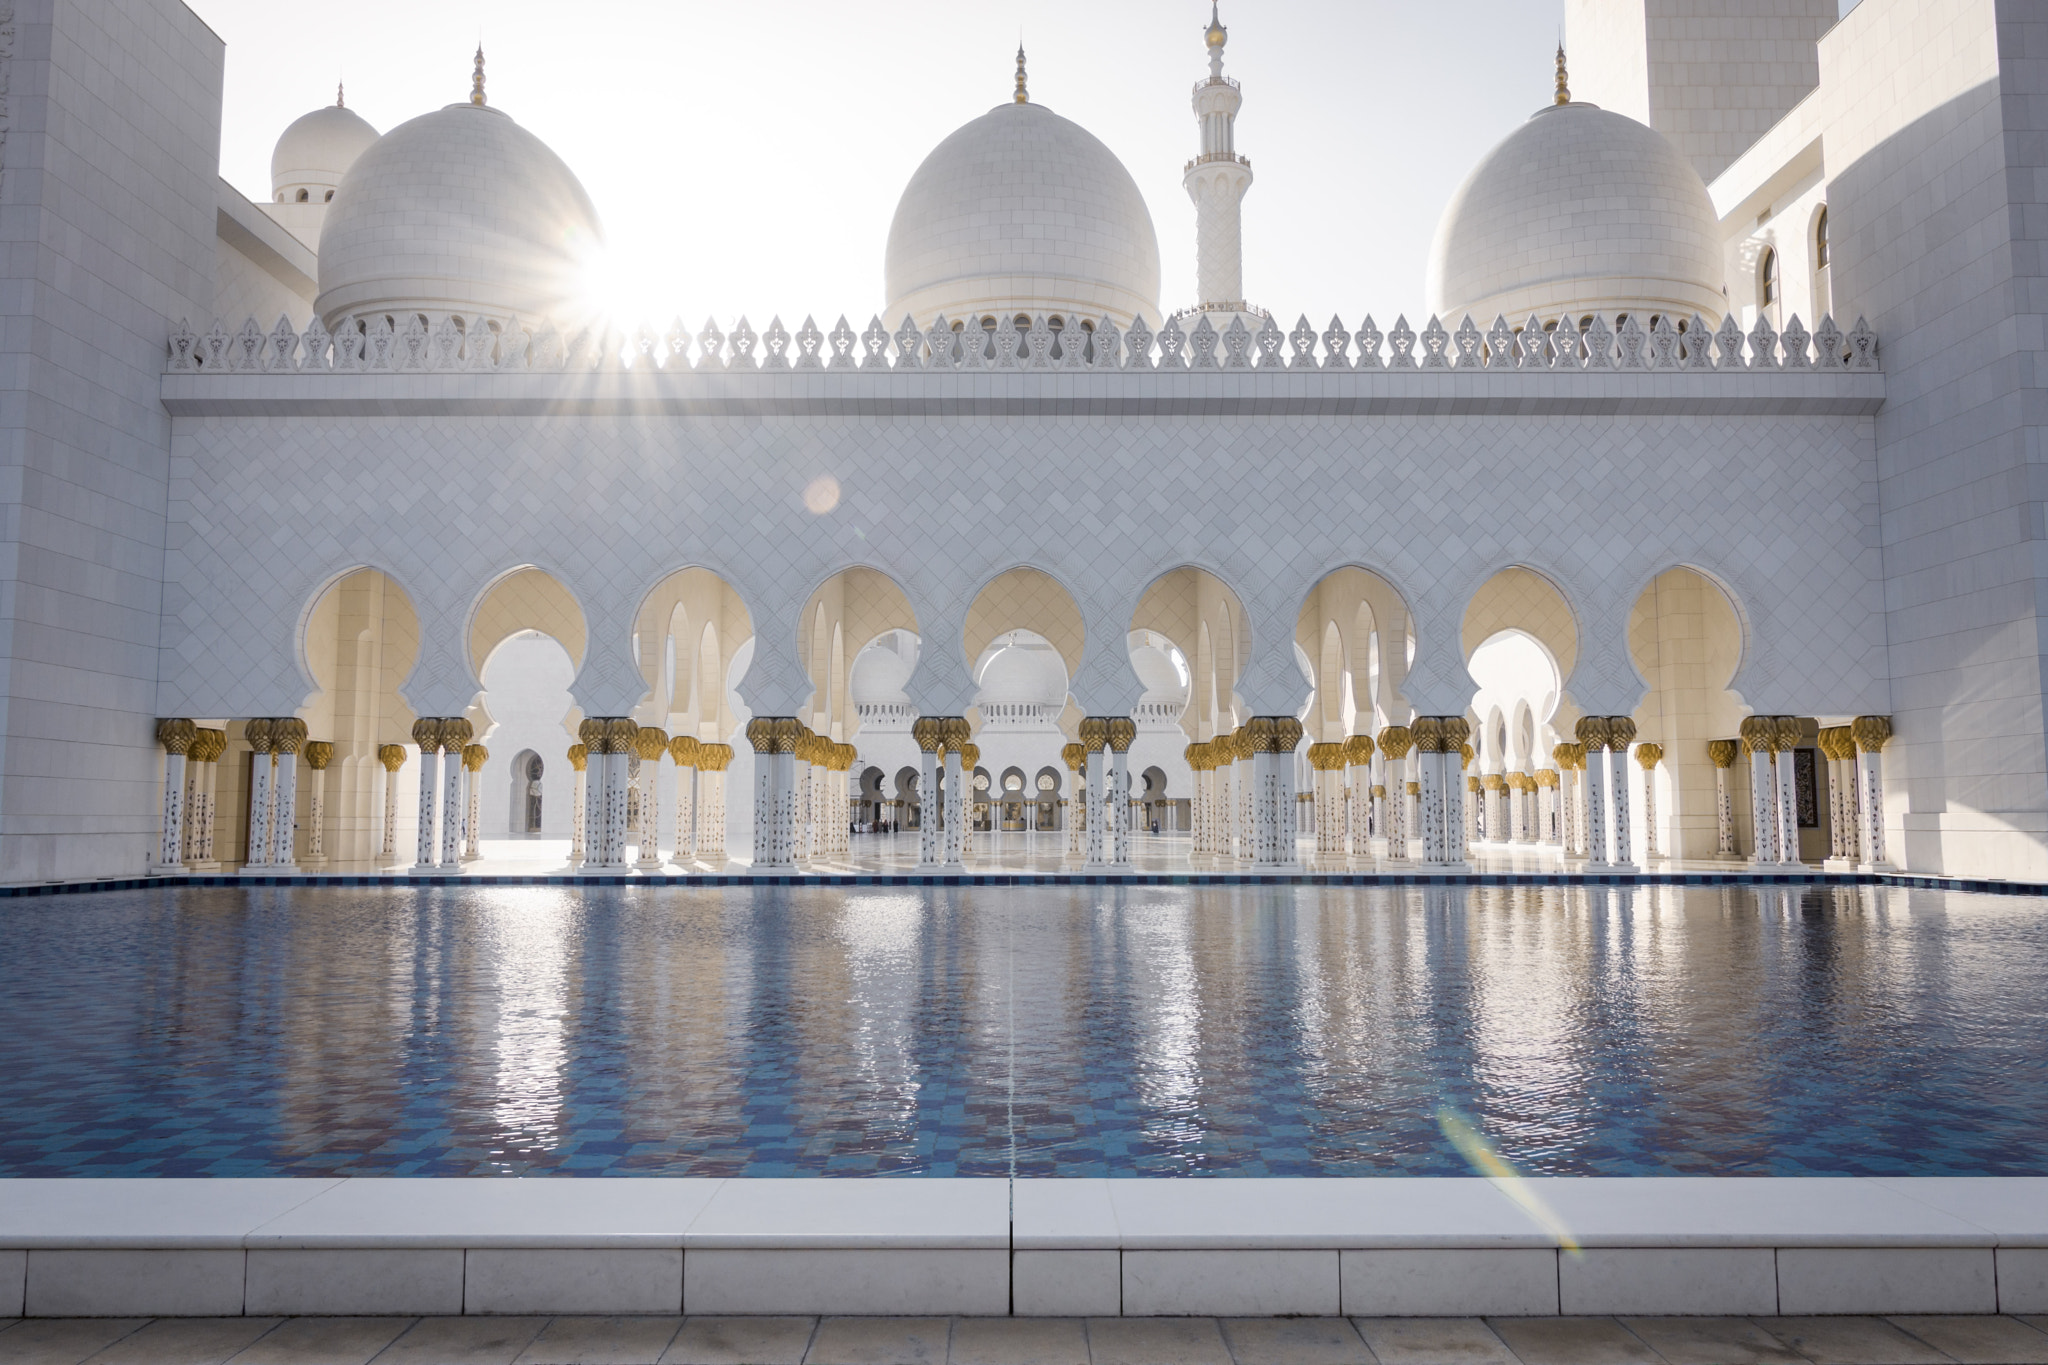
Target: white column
x=451, y=804
x=1394, y=744
x=1358, y=802
x=1788, y=792
x=1076, y=812
x=955, y=848
x=1621, y=731
x=1871, y=734
x=1095, y=735
x=1722, y=753
x=285, y=820
x=686, y=808
x=774, y=742
x=472, y=838
x=1429, y=779
x=176, y=736
x=1757, y=735
x=390, y=757
x=260, y=762
x=318, y=755
x=579, y=818
x=711, y=810
x=1123, y=732
x=427, y=734
x=1599, y=851
x=652, y=756
x=930, y=851
x=1650, y=813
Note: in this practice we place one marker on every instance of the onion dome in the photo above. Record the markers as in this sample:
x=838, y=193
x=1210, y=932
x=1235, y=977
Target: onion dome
x=1022, y=211
x=314, y=154
x=1578, y=211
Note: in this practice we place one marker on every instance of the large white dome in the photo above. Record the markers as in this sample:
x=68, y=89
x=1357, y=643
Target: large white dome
x=1578, y=211
x=459, y=211
x=316, y=152
x=1022, y=211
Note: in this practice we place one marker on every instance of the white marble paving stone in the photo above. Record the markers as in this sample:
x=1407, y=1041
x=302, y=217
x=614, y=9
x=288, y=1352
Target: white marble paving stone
x=1062, y=1214
x=1156, y=1341
x=463, y=1341
x=2022, y=1280
x=324, y=1341
x=62, y=1341
x=1019, y=1341
x=573, y=1280
x=1977, y=1339
x=522, y=1212
x=13, y=1282
x=1066, y=1283
x=1886, y=1280
x=1776, y=1211
x=1573, y=1341
x=185, y=1341
x=1841, y=1340
x=1257, y=1282
x=1445, y=1282
x=601, y=1341
x=1294, y=1341
x=1304, y=1213
x=864, y=1214
x=880, y=1341
x=354, y=1280
x=1713, y=1281
x=1712, y=1341
x=126, y=1283
x=741, y=1341
x=885, y=1280
x=158, y=1214
x=1433, y=1341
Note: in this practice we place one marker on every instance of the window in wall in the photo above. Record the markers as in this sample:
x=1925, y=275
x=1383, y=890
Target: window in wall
x=1820, y=239
x=1767, y=278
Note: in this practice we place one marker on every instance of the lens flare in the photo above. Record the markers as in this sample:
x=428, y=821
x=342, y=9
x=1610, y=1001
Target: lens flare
x=1479, y=1154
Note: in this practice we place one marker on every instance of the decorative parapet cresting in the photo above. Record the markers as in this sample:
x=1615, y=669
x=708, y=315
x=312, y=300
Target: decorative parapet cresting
x=420, y=343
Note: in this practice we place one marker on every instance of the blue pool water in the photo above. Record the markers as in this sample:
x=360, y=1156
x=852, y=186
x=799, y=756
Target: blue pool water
x=1027, y=1030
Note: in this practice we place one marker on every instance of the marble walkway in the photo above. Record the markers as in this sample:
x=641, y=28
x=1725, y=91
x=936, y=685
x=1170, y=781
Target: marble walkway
x=1983, y=1340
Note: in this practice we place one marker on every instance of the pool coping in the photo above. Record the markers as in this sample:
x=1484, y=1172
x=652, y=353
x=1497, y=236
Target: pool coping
x=1993, y=886
x=1136, y=1247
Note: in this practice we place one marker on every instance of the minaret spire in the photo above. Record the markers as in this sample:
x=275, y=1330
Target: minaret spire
x=340, y=96
x=1564, y=90
x=1217, y=180
x=476, y=80
x=1023, y=96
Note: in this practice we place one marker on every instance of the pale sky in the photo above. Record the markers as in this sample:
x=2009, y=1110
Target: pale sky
x=747, y=157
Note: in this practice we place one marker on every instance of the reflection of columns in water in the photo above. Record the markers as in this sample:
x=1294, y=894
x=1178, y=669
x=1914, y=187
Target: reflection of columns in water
x=1122, y=732
x=579, y=759
x=929, y=732
x=474, y=756
x=1871, y=734
x=176, y=735
x=1723, y=752
x=319, y=753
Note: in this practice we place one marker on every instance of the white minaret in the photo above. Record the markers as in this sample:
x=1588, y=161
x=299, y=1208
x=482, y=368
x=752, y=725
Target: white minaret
x=1216, y=180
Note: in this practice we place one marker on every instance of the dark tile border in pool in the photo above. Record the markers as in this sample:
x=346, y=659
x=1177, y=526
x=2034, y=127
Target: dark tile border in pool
x=1729, y=878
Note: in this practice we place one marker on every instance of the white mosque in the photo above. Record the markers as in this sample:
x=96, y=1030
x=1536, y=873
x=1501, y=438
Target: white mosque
x=338, y=541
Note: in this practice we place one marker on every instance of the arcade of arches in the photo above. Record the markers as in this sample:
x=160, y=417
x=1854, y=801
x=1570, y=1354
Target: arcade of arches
x=1028, y=775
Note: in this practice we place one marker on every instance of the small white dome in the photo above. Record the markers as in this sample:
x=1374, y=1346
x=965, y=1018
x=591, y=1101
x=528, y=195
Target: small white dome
x=459, y=211
x=1022, y=211
x=317, y=151
x=1578, y=211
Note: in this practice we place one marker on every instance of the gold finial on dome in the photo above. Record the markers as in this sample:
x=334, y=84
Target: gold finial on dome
x=476, y=80
x=1564, y=90
x=1022, y=96
x=1216, y=34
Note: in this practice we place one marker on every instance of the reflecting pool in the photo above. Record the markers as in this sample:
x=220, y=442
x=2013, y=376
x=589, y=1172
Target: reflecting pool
x=1130, y=1031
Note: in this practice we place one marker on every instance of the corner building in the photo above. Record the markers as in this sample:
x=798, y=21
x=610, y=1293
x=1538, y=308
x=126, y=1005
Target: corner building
x=1698, y=524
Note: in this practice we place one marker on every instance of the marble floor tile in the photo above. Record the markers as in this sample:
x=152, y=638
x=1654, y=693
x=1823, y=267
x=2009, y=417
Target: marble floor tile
x=1851, y=1341
x=1019, y=1341
x=601, y=1341
x=62, y=1341
x=1712, y=1341
x=880, y=1341
x=1573, y=1341
x=1294, y=1341
x=185, y=1341
x=324, y=1341
x=1979, y=1340
x=1156, y=1341
x=741, y=1341
x=1433, y=1341
x=463, y=1341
